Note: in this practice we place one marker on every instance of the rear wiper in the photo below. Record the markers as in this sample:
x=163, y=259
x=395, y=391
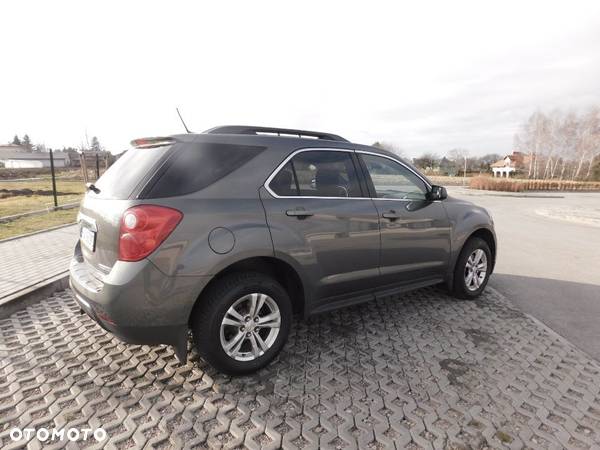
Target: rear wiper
x=91, y=187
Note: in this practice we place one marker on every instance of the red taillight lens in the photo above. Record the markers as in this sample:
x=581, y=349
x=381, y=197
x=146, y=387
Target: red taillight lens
x=144, y=228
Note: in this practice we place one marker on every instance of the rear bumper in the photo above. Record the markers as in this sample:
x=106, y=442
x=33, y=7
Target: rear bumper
x=167, y=334
x=136, y=302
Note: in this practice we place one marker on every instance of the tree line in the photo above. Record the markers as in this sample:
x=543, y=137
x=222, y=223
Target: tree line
x=561, y=145
x=25, y=142
x=455, y=162
x=557, y=145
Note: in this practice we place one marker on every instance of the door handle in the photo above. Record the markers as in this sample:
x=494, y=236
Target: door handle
x=300, y=213
x=392, y=215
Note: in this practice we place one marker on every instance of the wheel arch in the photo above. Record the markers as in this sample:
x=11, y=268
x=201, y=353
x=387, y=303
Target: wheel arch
x=280, y=270
x=489, y=238
x=481, y=232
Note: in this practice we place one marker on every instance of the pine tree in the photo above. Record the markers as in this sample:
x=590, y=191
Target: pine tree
x=16, y=140
x=26, y=142
x=96, y=144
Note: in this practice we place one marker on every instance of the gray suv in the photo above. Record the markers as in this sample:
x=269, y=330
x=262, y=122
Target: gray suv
x=231, y=232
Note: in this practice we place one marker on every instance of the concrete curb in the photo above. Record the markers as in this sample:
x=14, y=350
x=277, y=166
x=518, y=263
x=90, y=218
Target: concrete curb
x=497, y=194
x=33, y=294
x=57, y=227
x=529, y=194
x=560, y=337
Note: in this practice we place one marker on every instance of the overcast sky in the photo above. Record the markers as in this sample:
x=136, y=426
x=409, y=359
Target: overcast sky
x=424, y=76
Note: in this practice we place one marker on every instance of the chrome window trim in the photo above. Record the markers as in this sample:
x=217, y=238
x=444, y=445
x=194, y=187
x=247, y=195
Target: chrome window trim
x=427, y=185
x=399, y=162
x=347, y=150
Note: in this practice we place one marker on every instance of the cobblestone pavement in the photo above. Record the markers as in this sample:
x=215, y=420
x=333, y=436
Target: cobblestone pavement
x=37, y=257
x=417, y=371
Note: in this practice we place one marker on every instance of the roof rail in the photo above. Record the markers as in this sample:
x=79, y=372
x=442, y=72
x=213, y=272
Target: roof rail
x=242, y=129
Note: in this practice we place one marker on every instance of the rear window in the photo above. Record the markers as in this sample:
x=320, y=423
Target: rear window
x=196, y=166
x=119, y=181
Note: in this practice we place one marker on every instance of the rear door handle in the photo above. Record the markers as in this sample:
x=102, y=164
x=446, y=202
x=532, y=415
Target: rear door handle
x=392, y=215
x=300, y=213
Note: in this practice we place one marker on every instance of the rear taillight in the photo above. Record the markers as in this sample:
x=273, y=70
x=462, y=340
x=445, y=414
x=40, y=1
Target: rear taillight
x=144, y=228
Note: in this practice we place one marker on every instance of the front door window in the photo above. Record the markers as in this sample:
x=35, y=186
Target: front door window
x=392, y=180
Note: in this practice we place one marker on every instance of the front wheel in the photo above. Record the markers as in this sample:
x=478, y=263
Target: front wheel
x=242, y=323
x=473, y=269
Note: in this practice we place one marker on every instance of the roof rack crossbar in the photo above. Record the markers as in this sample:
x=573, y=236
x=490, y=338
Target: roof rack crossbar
x=242, y=129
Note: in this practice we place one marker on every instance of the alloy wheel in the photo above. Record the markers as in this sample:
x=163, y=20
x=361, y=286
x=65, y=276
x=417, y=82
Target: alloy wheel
x=475, y=270
x=250, y=327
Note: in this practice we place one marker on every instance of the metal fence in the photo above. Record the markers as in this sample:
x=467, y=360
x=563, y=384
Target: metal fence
x=34, y=198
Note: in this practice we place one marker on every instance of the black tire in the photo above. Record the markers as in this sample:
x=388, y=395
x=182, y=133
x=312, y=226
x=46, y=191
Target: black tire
x=207, y=318
x=460, y=288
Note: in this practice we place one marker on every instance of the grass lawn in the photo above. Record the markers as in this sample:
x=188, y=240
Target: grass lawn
x=73, y=190
x=36, y=223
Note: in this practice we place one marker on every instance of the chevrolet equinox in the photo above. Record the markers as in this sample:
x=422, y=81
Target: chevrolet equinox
x=231, y=232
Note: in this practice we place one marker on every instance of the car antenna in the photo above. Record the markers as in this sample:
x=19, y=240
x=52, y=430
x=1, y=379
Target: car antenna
x=181, y=118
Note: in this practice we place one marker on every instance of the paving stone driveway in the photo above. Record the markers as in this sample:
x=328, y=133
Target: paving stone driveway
x=417, y=371
x=35, y=258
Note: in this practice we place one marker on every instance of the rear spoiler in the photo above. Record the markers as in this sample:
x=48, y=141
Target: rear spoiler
x=152, y=142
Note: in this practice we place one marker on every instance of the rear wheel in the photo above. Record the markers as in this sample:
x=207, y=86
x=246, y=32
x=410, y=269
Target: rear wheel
x=473, y=268
x=242, y=323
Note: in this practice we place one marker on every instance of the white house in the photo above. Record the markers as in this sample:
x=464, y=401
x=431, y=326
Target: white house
x=509, y=164
x=10, y=149
x=30, y=160
x=503, y=168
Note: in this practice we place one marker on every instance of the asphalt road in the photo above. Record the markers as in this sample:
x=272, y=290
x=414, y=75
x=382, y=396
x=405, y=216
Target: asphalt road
x=549, y=259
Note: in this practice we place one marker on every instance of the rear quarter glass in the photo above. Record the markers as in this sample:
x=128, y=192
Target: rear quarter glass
x=195, y=166
x=129, y=171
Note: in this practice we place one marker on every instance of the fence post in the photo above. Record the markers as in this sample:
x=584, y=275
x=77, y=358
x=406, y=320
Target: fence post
x=97, y=167
x=83, y=166
x=53, y=178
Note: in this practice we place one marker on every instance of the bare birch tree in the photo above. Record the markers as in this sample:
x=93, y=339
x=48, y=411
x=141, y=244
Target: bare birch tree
x=560, y=145
x=592, y=124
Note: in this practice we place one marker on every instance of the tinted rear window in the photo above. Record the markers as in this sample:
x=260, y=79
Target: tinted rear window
x=196, y=166
x=119, y=181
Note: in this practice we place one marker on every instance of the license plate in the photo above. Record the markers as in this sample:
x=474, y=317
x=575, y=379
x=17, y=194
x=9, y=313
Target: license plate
x=88, y=238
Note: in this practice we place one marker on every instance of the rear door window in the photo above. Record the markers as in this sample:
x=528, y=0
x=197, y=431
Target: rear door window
x=284, y=183
x=318, y=173
x=120, y=180
x=196, y=166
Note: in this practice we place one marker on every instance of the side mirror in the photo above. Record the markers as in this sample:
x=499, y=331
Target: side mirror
x=437, y=193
